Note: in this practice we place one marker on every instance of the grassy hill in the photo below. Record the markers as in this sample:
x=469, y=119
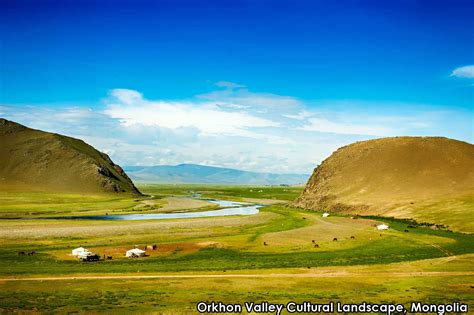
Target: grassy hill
x=429, y=179
x=34, y=160
x=193, y=173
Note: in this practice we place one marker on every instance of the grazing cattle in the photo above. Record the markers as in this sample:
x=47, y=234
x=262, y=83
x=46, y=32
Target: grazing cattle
x=353, y=237
x=309, y=267
x=31, y=253
x=90, y=258
x=407, y=231
x=316, y=246
x=313, y=241
x=152, y=247
x=334, y=239
x=21, y=253
x=265, y=243
x=109, y=257
x=304, y=218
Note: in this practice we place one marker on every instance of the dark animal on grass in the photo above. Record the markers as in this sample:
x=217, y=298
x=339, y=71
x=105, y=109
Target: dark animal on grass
x=304, y=218
x=407, y=231
x=316, y=246
x=109, y=257
x=21, y=253
x=353, y=237
x=90, y=258
x=265, y=243
x=31, y=253
x=313, y=241
x=154, y=246
x=334, y=239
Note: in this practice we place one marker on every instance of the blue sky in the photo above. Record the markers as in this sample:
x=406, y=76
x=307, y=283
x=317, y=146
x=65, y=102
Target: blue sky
x=257, y=85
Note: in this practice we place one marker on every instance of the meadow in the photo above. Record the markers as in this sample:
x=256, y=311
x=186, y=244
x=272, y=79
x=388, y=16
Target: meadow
x=268, y=256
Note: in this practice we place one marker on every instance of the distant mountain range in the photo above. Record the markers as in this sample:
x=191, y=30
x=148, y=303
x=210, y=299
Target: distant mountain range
x=193, y=173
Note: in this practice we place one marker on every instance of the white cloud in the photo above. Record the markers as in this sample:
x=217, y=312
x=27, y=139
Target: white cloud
x=132, y=109
x=235, y=127
x=464, y=72
x=126, y=96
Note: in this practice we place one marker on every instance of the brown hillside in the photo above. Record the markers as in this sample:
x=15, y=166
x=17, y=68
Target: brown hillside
x=425, y=178
x=33, y=160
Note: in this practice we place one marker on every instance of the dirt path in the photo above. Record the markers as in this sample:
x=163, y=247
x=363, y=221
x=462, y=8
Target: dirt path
x=444, y=251
x=272, y=275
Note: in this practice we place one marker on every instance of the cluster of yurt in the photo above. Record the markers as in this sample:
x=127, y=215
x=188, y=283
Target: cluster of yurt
x=86, y=255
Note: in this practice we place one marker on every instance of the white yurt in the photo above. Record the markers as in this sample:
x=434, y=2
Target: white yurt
x=80, y=251
x=325, y=215
x=136, y=252
x=382, y=227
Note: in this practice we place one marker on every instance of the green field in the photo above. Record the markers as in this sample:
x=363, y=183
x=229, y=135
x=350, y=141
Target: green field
x=268, y=256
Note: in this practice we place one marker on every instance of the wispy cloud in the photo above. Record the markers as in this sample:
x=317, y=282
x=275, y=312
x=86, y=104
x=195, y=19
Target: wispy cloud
x=464, y=72
x=299, y=116
x=229, y=85
x=325, y=125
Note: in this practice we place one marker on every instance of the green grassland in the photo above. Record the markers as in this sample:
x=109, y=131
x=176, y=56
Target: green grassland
x=37, y=204
x=286, y=193
x=367, y=264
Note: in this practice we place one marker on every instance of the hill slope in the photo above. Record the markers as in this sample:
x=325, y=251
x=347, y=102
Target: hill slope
x=426, y=178
x=193, y=173
x=34, y=160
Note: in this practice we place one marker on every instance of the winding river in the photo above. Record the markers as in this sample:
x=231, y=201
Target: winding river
x=230, y=208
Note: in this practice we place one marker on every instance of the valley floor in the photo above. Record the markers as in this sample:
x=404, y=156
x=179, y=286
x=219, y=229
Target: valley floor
x=279, y=255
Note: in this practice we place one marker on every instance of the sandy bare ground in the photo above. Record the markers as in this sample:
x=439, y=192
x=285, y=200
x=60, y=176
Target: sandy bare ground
x=22, y=229
x=273, y=275
x=175, y=203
